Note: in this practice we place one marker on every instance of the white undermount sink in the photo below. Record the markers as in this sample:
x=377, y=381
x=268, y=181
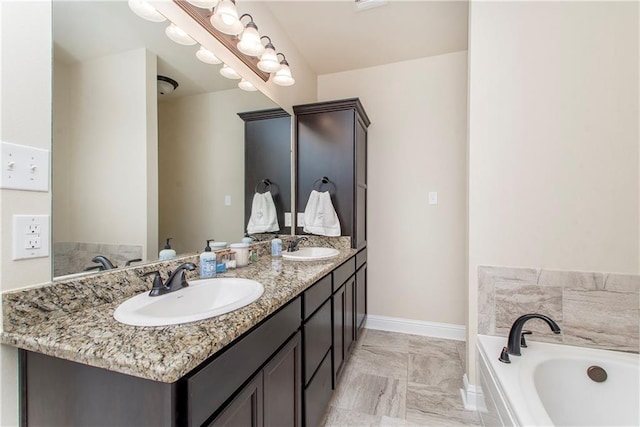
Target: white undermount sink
x=311, y=254
x=202, y=299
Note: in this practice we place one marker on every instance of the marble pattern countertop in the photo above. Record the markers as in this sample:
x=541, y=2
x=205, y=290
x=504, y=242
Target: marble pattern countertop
x=73, y=320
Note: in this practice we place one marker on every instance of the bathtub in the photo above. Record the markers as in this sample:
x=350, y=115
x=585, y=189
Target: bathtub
x=548, y=386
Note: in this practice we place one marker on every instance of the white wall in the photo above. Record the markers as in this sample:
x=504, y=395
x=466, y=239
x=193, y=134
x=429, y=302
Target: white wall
x=201, y=160
x=553, y=139
x=107, y=147
x=25, y=118
x=416, y=144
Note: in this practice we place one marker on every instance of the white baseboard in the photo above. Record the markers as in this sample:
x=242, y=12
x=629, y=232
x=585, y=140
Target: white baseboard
x=416, y=327
x=471, y=395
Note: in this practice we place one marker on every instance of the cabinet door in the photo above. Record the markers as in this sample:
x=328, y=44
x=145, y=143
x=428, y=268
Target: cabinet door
x=349, y=314
x=317, y=339
x=245, y=409
x=282, y=386
x=318, y=394
x=339, y=306
x=361, y=297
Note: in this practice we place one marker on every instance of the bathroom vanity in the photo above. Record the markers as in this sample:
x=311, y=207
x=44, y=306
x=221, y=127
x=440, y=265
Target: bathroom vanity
x=274, y=362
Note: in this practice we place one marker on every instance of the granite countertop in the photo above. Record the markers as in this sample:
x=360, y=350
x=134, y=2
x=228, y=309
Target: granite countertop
x=74, y=320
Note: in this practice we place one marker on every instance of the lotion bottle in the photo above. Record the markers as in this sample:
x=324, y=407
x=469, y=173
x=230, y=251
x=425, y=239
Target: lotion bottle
x=276, y=247
x=167, y=252
x=207, y=263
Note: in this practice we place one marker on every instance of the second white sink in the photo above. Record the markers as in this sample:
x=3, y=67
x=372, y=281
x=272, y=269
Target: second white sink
x=311, y=254
x=202, y=299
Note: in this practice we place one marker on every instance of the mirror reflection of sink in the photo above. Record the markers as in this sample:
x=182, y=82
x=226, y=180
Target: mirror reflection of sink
x=202, y=299
x=311, y=254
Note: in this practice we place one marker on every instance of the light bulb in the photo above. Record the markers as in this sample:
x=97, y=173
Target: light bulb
x=178, y=35
x=229, y=72
x=206, y=56
x=204, y=4
x=246, y=85
x=269, y=60
x=250, y=43
x=146, y=11
x=225, y=18
x=283, y=76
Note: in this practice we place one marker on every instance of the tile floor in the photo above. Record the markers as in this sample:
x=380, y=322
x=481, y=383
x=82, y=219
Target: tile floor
x=396, y=379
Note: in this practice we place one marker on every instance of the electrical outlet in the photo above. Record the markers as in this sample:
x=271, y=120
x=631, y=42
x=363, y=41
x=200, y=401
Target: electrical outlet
x=30, y=236
x=300, y=219
x=433, y=197
x=287, y=219
x=227, y=200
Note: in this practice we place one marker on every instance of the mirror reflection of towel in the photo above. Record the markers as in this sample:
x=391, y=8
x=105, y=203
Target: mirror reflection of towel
x=320, y=217
x=264, y=218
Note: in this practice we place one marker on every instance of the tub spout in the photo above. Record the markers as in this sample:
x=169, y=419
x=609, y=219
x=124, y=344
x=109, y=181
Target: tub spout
x=515, y=333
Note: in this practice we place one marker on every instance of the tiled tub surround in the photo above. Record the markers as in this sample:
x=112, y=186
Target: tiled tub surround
x=74, y=257
x=73, y=319
x=599, y=310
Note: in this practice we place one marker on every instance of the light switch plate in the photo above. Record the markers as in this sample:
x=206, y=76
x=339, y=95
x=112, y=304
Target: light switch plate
x=433, y=197
x=30, y=236
x=23, y=168
x=287, y=219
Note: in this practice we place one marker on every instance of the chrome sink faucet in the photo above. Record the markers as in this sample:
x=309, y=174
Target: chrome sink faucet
x=516, y=336
x=293, y=246
x=176, y=280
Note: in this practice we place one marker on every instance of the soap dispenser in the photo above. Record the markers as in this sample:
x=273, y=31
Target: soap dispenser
x=167, y=252
x=207, y=262
x=276, y=247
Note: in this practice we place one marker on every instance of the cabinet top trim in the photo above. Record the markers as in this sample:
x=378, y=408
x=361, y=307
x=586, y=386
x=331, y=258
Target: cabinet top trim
x=272, y=113
x=342, y=104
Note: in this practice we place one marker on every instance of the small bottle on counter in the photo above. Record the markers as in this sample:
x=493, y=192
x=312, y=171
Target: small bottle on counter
x=207, y=263
x=276, y=247
x=167, y=252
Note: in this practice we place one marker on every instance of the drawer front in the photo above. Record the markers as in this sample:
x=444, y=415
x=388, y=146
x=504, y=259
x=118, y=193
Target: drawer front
x=361, y=258
x=316, y=295
x=318, y=394
x=317, y=339
x=212, y=385
x=342, y=273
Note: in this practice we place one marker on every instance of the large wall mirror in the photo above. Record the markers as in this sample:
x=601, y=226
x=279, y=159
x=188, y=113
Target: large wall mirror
x=132, y=167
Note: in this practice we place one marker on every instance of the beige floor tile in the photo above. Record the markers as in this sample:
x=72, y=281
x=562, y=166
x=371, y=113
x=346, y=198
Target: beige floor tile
x=435, y=371
x=392, y=341
x=338, y=417
x=371, y=394
x=434, y=347
x=432, y=405
x=379, y=361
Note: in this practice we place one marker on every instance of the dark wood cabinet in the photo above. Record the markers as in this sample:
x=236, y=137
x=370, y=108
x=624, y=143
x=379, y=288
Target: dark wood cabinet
x=246, y=409
x=331, y=139
x=283, y=386
x=281, y=373
x=267, y=156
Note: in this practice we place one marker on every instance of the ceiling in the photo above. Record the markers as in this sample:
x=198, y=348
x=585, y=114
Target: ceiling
x=118, y=29
x=333, y=36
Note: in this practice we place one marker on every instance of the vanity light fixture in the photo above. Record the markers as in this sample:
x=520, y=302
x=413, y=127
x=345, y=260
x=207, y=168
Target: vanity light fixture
x=146, y=11
x=250, y=42
x=206, y=56
x=229, y=72
x=225, y=18
x=204, y=4
x=247, y=85
x=269, y=60
x=283, y=75
x=178, y=35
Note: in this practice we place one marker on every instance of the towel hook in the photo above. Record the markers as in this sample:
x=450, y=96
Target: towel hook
x=322, y=181
x=267, y=184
